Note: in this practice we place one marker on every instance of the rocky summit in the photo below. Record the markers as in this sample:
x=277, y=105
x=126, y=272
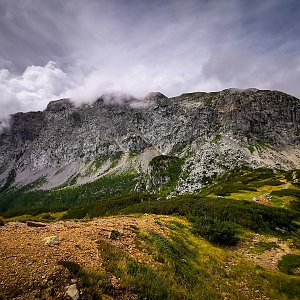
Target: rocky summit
x=204, y=133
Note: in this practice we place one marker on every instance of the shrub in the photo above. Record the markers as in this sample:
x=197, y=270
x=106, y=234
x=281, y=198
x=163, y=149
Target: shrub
x=115, y=234
x=289, y=263
x=286, y=192
x=216, y=231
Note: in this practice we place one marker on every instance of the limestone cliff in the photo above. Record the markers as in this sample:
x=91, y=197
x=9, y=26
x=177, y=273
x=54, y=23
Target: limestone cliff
x=209, y=132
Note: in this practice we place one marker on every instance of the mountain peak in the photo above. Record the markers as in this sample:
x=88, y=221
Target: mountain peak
x=59, y=105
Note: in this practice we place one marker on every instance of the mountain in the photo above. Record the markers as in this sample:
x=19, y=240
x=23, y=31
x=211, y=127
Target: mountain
x=203, y=134
x=190, y=197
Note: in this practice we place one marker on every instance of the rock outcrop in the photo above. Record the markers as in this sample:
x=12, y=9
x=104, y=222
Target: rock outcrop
x=210, y=132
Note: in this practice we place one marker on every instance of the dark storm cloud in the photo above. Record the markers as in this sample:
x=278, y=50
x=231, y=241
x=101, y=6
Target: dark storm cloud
x=51, y=49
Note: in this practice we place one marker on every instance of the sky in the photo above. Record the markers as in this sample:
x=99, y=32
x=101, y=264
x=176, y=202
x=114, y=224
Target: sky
x=53, y=49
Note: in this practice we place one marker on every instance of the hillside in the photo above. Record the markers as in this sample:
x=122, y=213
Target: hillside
x=152, y=257
x=158, y=145
x=219, y=244
x=191, y=197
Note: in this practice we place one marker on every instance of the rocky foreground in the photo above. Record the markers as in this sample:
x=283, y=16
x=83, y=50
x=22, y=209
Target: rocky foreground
x=31, y=266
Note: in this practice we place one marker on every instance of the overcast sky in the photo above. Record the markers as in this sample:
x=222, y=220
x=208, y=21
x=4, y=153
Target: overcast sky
x=81, y=49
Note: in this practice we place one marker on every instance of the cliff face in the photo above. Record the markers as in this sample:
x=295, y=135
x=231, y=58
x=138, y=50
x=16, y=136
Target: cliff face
x=209, y=132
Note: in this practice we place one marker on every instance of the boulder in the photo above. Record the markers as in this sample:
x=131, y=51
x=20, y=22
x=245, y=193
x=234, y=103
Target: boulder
x=35, y=224
x=72, y=292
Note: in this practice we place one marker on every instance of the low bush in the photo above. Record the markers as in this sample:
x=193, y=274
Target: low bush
x=2, y=222
x=289, y=263
x=286, y=192
x=222, y=233
x=115, y=234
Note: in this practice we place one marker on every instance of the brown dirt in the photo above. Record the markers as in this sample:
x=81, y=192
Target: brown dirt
x=29, y=268
x=268, y=259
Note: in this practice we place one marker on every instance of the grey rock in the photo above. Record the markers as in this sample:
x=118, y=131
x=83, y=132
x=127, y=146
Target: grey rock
x=72, y=292
x=52, y=240
x=212, y=132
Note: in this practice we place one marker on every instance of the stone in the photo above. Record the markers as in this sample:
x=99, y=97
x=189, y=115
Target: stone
x=72, y=292
x=51, y=240
x=35, y=224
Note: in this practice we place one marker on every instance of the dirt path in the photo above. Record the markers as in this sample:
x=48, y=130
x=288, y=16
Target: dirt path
x=27, y=263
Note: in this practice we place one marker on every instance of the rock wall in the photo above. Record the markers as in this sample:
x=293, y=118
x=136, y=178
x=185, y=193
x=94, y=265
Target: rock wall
x=212, y=132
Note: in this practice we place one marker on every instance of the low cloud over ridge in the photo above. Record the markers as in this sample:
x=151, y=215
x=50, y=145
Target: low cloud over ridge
x=76, y=49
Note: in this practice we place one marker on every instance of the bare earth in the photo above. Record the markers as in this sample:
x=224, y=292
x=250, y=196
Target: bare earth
x=28, y=265
x=29, y=268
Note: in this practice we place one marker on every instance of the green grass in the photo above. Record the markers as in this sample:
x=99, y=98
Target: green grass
x=165, y=172
x=179, y=265
x=42, y=217
x=136, y=276
x=261, y=247
x=93, y=284
x=33, y=202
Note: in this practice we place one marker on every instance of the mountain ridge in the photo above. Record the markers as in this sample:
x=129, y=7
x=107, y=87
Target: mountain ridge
x=211, y=132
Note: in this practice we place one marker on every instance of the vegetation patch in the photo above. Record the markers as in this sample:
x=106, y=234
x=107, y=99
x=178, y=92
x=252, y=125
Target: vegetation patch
x=251, y=149
x=261, y=247
x=135, y=276
x=179, y=265
x=93, y=284
x=33, y=202
x=216, y=231
x=93, y=167
x=165, y=172
x=115, y=234
x=257, y=184
x=249, y=215
x=9, y=181
x=216, y=139
x=289, y=263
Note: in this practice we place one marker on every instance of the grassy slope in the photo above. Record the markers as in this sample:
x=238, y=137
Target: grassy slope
x=27, y=200
x=172, y=263
x=191, y=262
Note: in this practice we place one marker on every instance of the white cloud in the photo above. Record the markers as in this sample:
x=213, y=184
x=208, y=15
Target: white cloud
x=139, y=47
x=31, y=90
